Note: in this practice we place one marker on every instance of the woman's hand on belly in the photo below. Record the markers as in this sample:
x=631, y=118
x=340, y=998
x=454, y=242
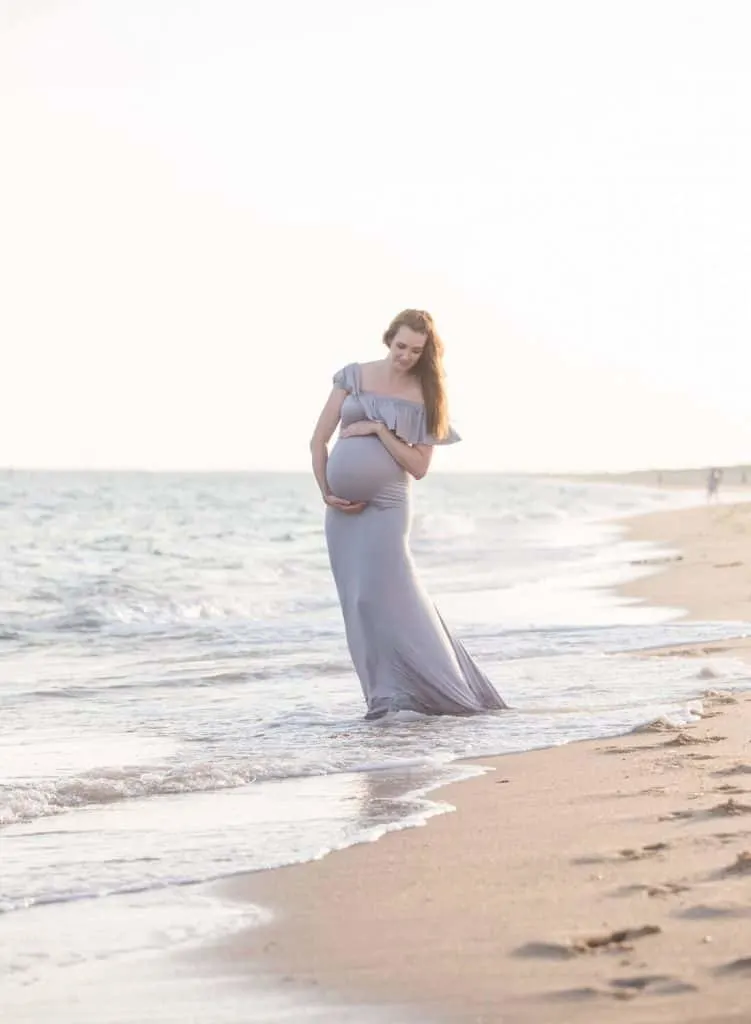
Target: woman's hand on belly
x=352, y=507
x=361, y=428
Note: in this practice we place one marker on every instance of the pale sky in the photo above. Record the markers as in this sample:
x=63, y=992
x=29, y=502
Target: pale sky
x=208, y=206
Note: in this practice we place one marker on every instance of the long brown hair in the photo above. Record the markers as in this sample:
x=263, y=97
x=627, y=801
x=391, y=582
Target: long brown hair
x=429, y=367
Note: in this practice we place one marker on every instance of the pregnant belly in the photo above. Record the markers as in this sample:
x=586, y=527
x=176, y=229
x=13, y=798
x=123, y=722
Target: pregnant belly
x=359, y=468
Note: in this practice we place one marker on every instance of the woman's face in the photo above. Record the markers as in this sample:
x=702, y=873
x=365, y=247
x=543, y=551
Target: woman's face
x=406, y=348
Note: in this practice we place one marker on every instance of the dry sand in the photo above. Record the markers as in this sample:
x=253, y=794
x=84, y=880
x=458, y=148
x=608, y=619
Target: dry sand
x=602, y=881
x=709, y=573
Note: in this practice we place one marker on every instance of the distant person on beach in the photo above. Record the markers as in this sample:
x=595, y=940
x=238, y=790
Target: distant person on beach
x=714, y=477
x=393, y=412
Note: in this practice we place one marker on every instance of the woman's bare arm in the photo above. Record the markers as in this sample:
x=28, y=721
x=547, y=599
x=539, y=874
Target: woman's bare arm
x=415, y=458
x=324, y=428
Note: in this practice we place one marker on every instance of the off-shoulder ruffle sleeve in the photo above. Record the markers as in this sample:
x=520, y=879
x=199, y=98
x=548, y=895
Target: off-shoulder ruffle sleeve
x=405, y=418
x=346, y=378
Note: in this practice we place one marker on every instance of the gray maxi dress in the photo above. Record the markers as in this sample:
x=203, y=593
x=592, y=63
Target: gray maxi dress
x=402, y=651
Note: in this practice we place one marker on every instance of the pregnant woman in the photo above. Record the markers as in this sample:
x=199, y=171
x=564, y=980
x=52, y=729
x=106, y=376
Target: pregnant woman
x=393, y=411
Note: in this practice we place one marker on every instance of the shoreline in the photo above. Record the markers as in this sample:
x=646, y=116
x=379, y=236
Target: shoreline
x=444, y=919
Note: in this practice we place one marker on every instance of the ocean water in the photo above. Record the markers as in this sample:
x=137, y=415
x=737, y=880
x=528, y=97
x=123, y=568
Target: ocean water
x=177, y=703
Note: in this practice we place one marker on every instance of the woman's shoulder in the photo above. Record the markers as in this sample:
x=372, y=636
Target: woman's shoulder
x=348, y=377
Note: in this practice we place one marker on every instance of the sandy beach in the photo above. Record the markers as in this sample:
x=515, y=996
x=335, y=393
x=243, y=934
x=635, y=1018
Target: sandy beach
x=596, y=882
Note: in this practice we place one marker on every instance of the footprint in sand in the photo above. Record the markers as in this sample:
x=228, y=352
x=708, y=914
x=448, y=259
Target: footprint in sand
x=741, y=865
x=742, y=966
x=712, y=911
x=575, y=995
x=650, y=850
x=685, y=739
x=666, y=889
x=737, y=769
x=642, y=748
x=546, y=950
x=626, y=988
x=655, y=984
x=730, y=837
x=677, y=816
x=617, y=941
x=730, y=807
